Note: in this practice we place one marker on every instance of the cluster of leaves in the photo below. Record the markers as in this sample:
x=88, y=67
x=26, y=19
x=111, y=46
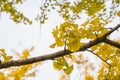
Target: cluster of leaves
x=61, y=64
x=79, y=59
x=8, y=7
x=108, y=69
x=70, y=11
x=4, y=55
x=62, y=7
x=19, y=72
x=48, y=5
x=111, y=55
x=65, y=8
x=70, y=34
x=90, y=6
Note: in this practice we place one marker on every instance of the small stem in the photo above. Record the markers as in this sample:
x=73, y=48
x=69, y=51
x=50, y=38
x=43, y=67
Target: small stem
x=99, y=57
x=112, y=30
x=95, y=34
x=65, y=45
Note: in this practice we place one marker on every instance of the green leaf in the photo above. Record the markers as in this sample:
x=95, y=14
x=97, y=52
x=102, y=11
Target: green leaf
x=68, y=70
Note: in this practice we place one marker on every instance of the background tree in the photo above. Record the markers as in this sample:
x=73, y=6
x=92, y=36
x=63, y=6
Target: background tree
x=78, y=38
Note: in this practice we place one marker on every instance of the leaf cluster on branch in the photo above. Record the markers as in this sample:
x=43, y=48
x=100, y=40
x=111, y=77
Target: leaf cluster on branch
x=70, y=34
x=63, y=52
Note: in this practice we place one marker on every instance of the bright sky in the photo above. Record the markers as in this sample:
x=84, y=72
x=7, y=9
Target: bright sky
x=19, y=37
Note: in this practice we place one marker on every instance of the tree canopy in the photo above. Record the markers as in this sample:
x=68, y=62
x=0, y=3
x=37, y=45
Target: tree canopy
x=86, y=29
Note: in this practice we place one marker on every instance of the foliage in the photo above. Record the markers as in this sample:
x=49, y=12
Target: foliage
x=8, y=7
x=4, y=55
x=17, y=73
x=111, y=71
x=70, y=35
x=62, y=64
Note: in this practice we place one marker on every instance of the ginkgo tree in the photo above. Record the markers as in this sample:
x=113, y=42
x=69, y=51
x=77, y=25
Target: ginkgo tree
x=91, y=37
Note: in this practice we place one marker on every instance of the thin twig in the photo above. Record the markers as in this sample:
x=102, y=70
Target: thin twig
x=99, y=57
x=112, y=30
x=95, y=34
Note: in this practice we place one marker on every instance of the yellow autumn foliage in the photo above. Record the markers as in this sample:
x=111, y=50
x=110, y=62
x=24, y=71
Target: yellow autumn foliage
x=89, y=77
x=19, y=72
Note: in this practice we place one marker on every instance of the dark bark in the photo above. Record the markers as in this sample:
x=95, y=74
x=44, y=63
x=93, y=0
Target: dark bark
x=112, y=43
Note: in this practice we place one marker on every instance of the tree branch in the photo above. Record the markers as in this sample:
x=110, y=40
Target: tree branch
x=56, y=54
x=112, y=43
x=112, y=30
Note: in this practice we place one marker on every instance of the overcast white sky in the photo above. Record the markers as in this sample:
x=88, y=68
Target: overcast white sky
x=19, y=36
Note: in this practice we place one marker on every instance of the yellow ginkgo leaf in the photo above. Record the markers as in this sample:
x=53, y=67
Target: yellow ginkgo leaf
x=8, y=58
x=53, y=45
x=118, y=13
x=69, y=69
x=85, y=23
x=32, y=74
x=2, y=77
x=5, y=56
x=2, y=50
x=25, y=54
x=89, y=77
